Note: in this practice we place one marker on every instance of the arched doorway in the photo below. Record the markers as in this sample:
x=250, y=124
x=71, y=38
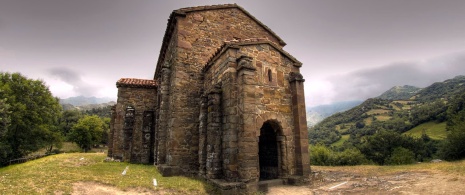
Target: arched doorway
x=268, y=150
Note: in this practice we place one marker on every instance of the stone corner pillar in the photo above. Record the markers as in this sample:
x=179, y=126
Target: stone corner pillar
x=247, y=157
x=214, y=134
x=162, y=126
x=302, y=161
x=203, y=135
x=112, y=131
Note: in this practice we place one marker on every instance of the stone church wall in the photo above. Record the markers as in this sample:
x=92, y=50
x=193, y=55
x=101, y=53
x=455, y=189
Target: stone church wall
x=129, y=137
x=199, y=34
x=249, y=97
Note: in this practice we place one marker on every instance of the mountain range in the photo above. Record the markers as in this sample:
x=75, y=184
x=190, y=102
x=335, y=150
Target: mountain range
x=318, y=113
x=81, y=100
x=86, y=103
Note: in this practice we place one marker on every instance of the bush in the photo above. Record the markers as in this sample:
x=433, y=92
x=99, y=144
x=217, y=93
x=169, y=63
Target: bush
x=324, y=156
x=401, y=156
x=320, y=155
x=350, y=156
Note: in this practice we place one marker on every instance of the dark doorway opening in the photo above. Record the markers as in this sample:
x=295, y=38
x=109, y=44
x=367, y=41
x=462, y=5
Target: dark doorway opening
x=268, y=151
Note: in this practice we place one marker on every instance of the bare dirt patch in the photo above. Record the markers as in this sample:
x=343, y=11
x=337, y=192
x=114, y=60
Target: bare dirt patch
x=102, y=189
x=327, y=181
x=339, y=182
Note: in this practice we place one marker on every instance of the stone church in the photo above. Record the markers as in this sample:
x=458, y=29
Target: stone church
x=226, y=103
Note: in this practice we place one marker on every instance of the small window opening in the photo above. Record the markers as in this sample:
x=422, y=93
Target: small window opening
x=270, y=75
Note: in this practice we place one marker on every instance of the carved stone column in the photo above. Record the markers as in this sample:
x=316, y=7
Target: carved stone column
x=128, y=129
x=112, y=131
x=203, y=135
x=302, y=161
x=162, y=126
x=214, y=163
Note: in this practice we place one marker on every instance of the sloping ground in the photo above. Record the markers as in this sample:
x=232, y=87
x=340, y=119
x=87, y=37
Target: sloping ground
x=81, y=173
x=425, y=178
x=433, y=129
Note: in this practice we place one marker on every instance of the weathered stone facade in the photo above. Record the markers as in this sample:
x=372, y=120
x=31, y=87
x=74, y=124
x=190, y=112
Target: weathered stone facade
x=226, y=103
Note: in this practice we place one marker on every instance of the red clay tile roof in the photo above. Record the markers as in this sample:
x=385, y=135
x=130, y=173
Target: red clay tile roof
x=251, y=41
x=182, y=12
x=136, y=83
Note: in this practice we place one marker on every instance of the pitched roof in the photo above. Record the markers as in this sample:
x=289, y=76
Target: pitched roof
x=226, y=6
x=243, y=42
x=183, y=11
x=136, y=83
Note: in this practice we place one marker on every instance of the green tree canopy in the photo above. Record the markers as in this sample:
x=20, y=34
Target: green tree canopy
x=453, y=147
x=68, y=119
x=33, y=115
x=87, y=131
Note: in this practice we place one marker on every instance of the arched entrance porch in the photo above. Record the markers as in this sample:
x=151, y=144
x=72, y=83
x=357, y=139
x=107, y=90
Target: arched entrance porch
x=269, y=150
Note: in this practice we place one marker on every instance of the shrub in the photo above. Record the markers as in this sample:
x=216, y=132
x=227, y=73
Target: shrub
x=351, y=156
x=401, y=156
x=320, y=155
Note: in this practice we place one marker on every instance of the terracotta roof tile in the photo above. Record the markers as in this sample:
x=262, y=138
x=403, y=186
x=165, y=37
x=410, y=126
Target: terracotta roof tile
x=136, y=83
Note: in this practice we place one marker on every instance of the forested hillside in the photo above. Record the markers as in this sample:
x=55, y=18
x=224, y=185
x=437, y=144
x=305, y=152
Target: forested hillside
x=417, y=124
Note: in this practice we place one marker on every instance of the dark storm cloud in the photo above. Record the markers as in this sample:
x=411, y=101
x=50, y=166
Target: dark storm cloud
x=74, y=79
x=372, y=82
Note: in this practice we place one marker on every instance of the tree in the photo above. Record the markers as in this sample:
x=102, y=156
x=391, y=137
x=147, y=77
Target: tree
x=87, y=132
x=106, y=130
x=68, y=119
x=453, y=147
x=401, y=156
x=34, y=114
x=4, y=123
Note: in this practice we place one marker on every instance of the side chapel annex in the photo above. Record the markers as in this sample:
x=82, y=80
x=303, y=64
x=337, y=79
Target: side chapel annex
x=226, y=102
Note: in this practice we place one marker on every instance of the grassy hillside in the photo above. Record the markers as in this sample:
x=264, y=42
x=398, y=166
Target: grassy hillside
x=419, y=113
x=434, y=130
x=56, y=175
x=399, y=93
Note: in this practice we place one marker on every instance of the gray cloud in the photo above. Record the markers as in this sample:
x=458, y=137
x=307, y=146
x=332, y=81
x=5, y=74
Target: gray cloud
x=363, y=84
x=74, y=79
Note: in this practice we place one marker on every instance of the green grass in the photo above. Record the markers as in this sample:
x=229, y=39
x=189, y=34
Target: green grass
x=56, y=174
x=383, y=117
x=434, y=130
x=377, y=111
x=341, y=141
x=368, y=121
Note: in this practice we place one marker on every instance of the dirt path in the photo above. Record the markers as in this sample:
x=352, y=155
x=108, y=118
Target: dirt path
x=332, y=182
x=91, y=188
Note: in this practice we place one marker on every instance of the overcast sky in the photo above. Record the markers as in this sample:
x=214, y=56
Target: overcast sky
x=350, y=49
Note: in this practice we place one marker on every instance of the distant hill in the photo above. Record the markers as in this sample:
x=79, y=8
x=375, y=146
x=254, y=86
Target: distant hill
x=400, y=93
x=445, y=89
x=425, y=106
x=81, y=100
x=318, y=113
